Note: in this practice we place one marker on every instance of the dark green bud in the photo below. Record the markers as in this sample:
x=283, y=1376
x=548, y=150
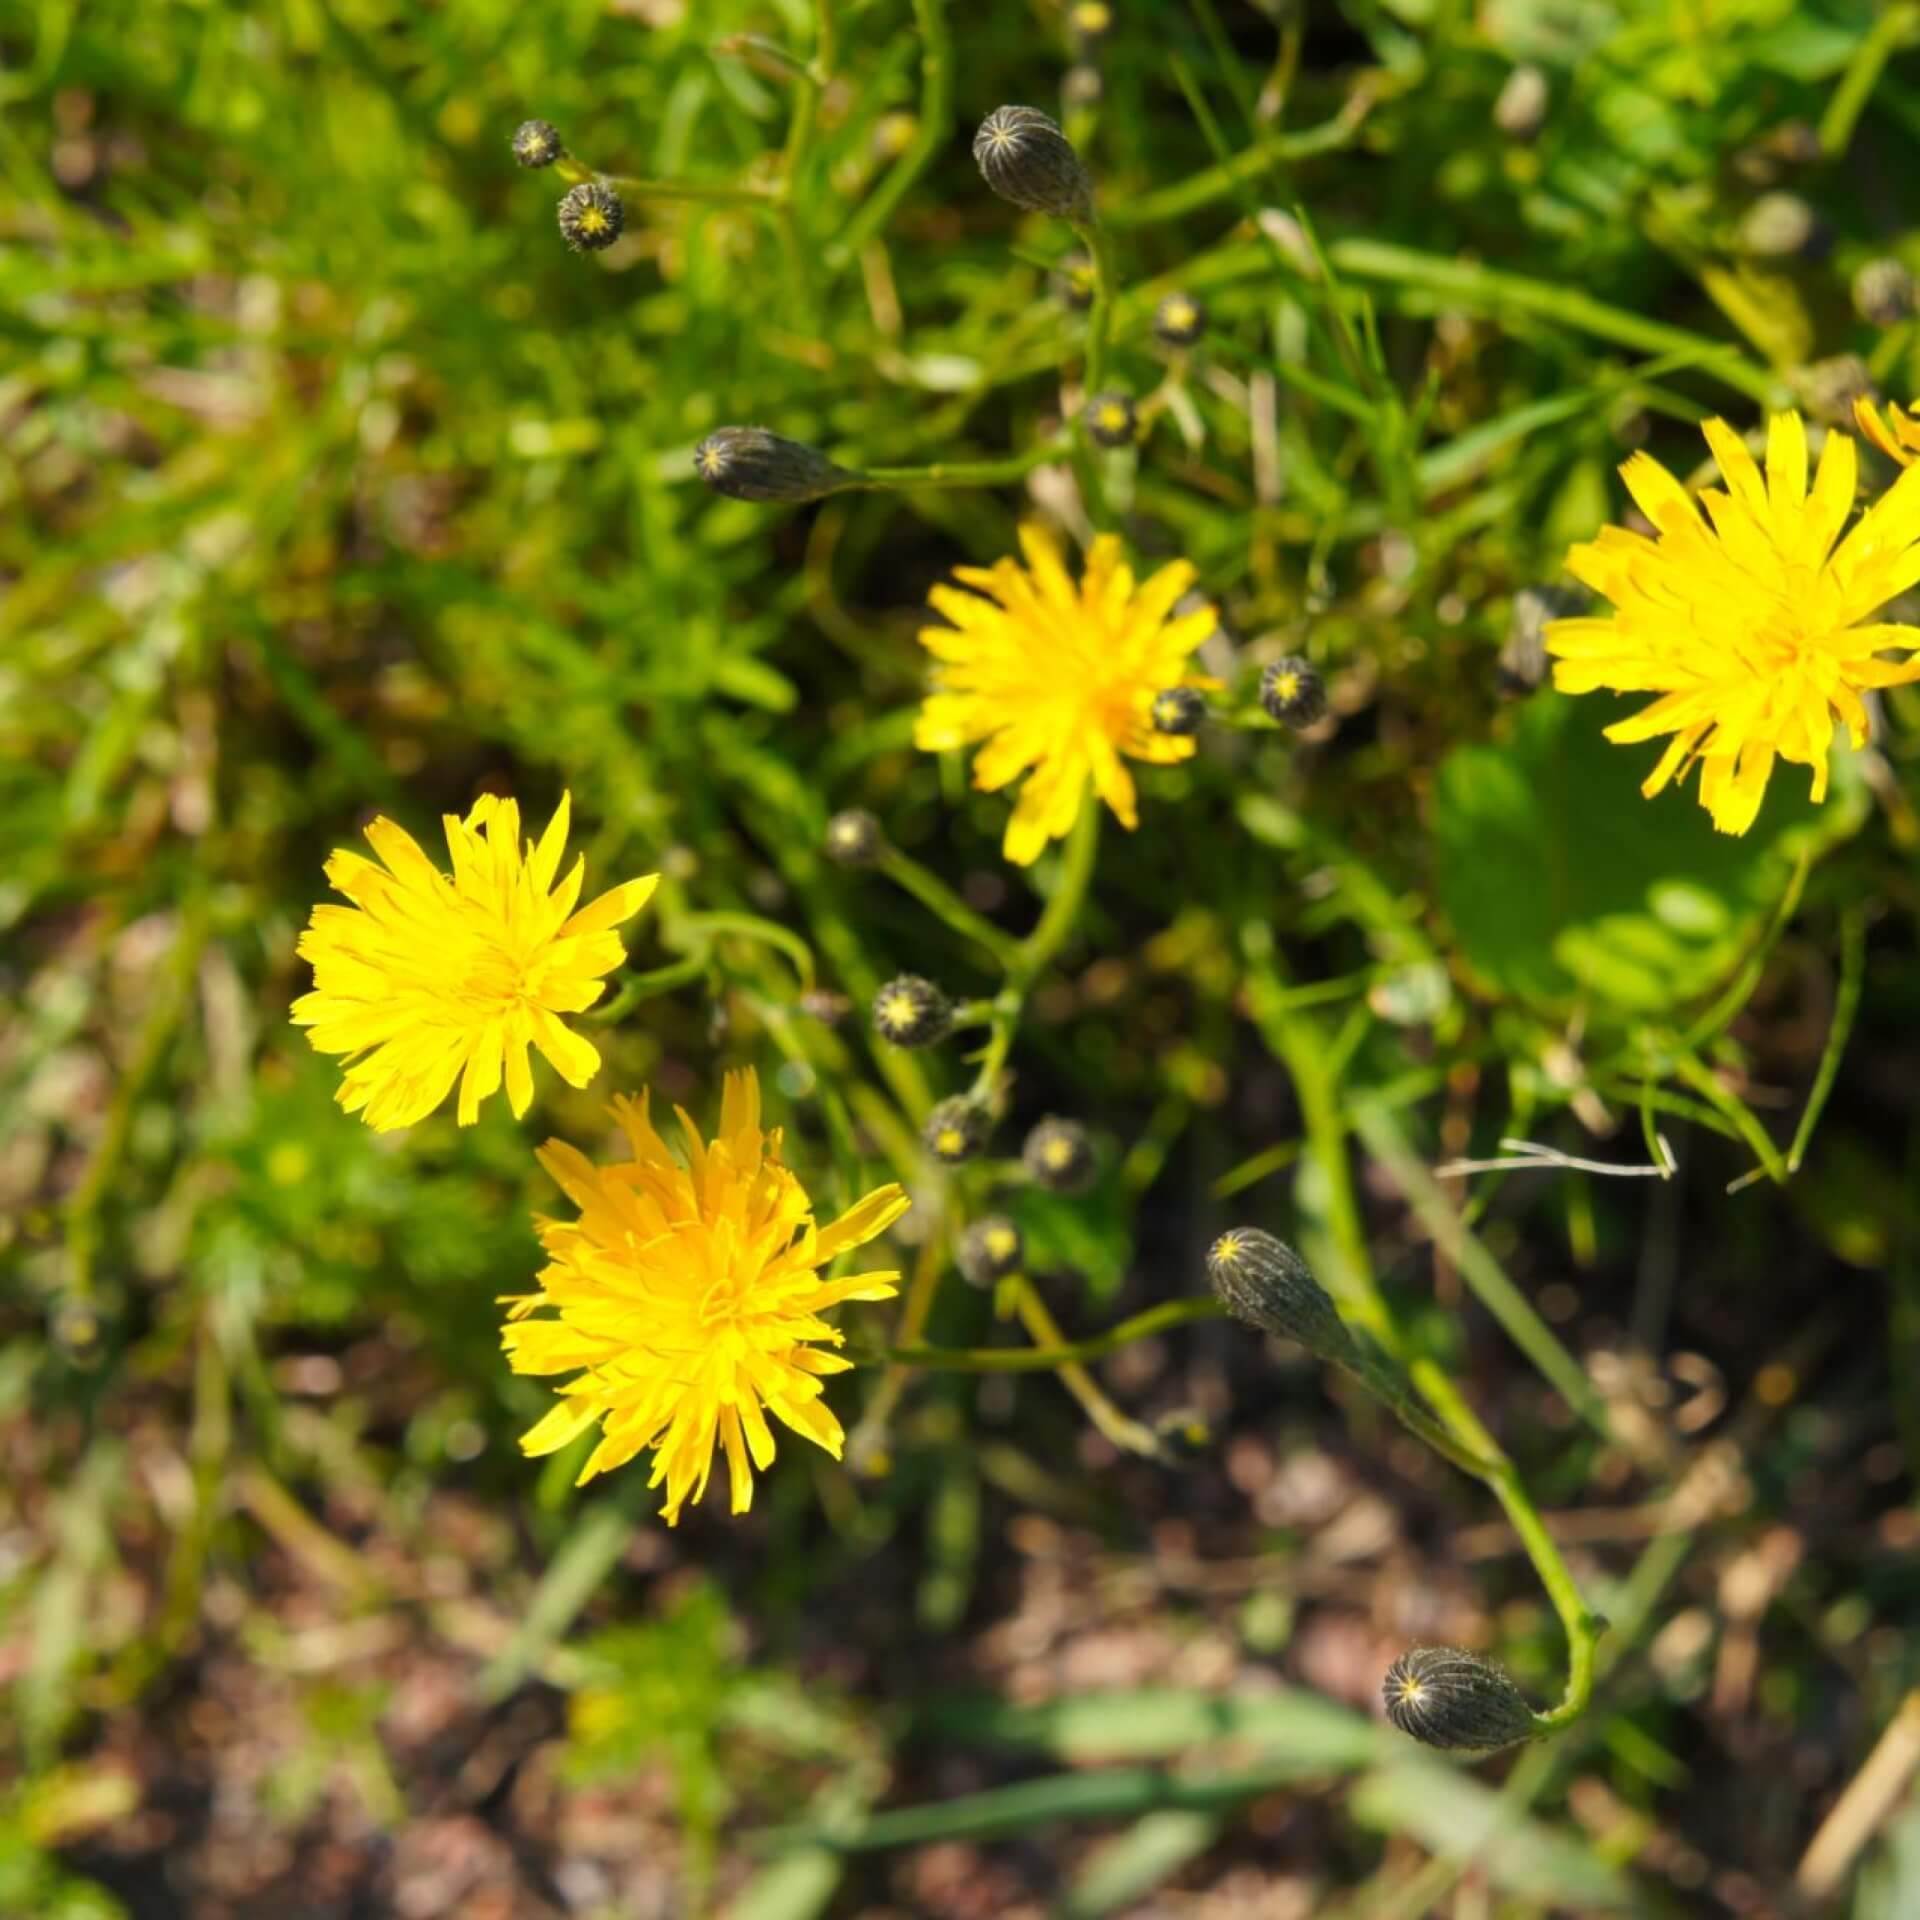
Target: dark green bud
x=1179, y=320
x=1073, y=282
x=1025, y=158
x=749, y=463
x=989, y=1250
x=536, y=143
x=1059, y=1156
x=1447, y=1697
x=1111, y=420
x=1883, y=293
x=591, y=217
x=1520, y=111
x=956, y=1130
x=854, y=838
x=1179, y=710
x=912, y=1012
x=1292, y=691
x=1262, y=1281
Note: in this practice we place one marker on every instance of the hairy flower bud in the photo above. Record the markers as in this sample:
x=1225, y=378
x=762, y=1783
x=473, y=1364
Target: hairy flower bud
x=1179, y=320
x=1179, y=710
x=1073, y=281
x=1447, y=1697
x=591, y=217
x=989, y=1250
x=1292, y=691
x=1782, y=226
x=536, y=143
x=1025, y=158
x=1262, y=1281
x=1883, y=293
x=912, y=1012
x=1059, y=1156
x=956, y=1129
x=854, y=838
x=749, y=463
x=1111, y=420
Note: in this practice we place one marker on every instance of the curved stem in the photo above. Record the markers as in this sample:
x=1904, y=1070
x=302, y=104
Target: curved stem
x=1124, y=1431
x=939, y=899
x=635, y=987
x=1047, y=1358
x=1105, y=286
x=960, y=473
x=936, y=111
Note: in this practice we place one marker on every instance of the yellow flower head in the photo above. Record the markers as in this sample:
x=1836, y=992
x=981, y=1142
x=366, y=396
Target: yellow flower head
x=1059, y=680
x=688, y=1296
x=1896, y=432
x=1752, y=626
x=426, y=980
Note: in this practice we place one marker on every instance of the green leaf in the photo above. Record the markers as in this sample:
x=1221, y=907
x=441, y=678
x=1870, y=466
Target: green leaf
x=1564, y=886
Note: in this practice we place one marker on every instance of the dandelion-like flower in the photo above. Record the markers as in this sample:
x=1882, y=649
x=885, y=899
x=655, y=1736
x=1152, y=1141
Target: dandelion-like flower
x=427, y=979
x=1753, y=626
x=1059, y=680
x=686, y=1301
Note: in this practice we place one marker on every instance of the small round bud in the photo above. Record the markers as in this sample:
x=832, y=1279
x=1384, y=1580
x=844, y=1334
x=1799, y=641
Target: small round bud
x=1883, y=293
x=1179, y=320
x=1829, y=388
x=1111, y=420
x=536, y=143
x=893, y=135
x=1520, y=111
x=825, y=1006
x=956, y=1129
x=1073, y=282
x=854, y=838
x=591, y=217
x=1183, y=1435
x=1179, y=710
x=1082, y=87
x=1781, y=226
x=1523, y=658
x=1262, y=1281
x=1025, y=158
x=749, y=463
x=1292, y=691
x=912, y=1012
x=989, y=1250
x=1059, y=1156
x=1089, y=22
x=1447, y=1697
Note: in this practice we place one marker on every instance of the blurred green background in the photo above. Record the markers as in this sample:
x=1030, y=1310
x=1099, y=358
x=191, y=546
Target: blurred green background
x=330, y=483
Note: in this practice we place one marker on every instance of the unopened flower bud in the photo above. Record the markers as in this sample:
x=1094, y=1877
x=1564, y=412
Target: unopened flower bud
x=854, y=838
x=893, y=135
x=956, y=1129
x=1059, y=1156
x=1183, y=1435
x=912, y=1012
x=1520, y=111
x=1883, y=293
x=1829, y=388
x=1025, y=158
x=1179, y=710
x=1450, y=1698
x=1292, y=691
x=1089, y=22
x=749, y=463
x=536, y=143
x=1074, y=283
x=989, y=1250
x=1081, y=87
x=1179, y=320
x=1262, y=1281
x=1781, y=226
x=1111, y=420
x=591, y=217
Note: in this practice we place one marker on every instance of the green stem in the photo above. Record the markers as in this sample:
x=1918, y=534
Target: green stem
x=936, y=112
x=1106, y=282
x=1065, y=1353
x=636, y=987
x=1705, y=1082
x=1846, y=1003
x=719, y=193
x=961, y=473
x=940, y=900
x=1124, y=1432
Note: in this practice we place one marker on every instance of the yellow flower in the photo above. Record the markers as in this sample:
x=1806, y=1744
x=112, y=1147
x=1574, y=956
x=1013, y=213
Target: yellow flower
x=688, y=1294
x=1896, y=434
x=1752, y=626
x=425, y=980
x=1058, y=680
